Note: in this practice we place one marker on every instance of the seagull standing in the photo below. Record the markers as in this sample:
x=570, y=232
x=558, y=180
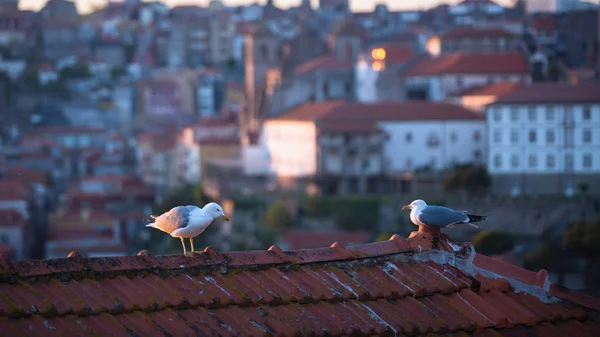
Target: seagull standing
x=422, y=214
x=187, y=221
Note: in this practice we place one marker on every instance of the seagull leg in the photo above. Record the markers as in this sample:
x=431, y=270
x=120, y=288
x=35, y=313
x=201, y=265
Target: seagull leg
x=192, y=244
x=185, y=253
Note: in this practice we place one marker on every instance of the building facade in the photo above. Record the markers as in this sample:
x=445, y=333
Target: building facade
x=545, y=139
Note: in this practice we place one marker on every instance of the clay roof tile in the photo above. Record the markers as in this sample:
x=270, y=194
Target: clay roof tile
x=440, y=287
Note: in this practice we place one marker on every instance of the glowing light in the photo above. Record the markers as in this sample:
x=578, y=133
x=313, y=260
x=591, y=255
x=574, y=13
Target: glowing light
x=377, y=66
x=378, y=54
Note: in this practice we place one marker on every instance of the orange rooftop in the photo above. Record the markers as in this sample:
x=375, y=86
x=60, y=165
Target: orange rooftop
x=426, y=284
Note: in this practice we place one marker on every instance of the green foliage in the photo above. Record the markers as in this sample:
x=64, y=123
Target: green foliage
x=278, y=217
x=493, y=242
x=472, y=178
x=31, y=79
x=583, y=239
x=383, y=236
x=349, y=213
x=549, y=256
x=57, y=89
x=77, y=71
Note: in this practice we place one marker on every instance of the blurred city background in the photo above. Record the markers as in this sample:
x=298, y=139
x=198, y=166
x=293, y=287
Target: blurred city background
x=309, y=125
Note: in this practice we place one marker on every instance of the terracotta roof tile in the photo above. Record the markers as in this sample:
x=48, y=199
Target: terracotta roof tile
x=323, y=63
x=397, y=52
x=476, y=33
x=496, y=89
x=556, y=92
x=351, y=115
x=424, y=284
x=470, y=63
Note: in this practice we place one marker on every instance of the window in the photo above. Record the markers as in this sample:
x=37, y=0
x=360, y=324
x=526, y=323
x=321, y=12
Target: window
x=514, y=114
x=514, y=161
x=550, y=137
x=587, y=136
x=264, y=51
x=477, y=155
x=532, y=161
x=453, y=137
x=326, y=89
x=497, y=116
x=550, y=113
x=532, y=114
x=569, y=139
x=550, y=161
x=408, y=137
x=497, y=161
x=514, y=136
x=497, y=136
x=587, y=161
x=532, y=136
x=348, y=87
x=476, y=136
x=569, y=162
x=587, y=114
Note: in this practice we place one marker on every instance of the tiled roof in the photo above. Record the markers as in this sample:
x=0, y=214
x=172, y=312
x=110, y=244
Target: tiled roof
x=476, y=33
x=323, y=63
x=397, y=53
x=555, y=92
x=426, y=284
x=496, y=89
x=354, y=112
x=311, y=239
x=470, y=63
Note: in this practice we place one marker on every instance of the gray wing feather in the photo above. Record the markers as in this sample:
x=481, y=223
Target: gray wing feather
x=438, y=216
x=176, y=218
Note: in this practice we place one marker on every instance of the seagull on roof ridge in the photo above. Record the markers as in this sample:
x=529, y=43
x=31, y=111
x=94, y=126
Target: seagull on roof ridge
x=187, y=221
x=422, y=214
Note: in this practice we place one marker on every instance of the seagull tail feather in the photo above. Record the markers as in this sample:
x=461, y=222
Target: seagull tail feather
x=151, y=220
x=475, y=218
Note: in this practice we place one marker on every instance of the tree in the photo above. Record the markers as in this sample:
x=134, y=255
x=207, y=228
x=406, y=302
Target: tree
x=77, y=71
x=31, y=79
x=474, y=179
x=58, y=89
x=493, y=242
x=278, y=217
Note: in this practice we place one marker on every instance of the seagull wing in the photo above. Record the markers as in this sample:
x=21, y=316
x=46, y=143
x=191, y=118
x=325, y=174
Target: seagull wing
x=178, y=217
x=438, y=216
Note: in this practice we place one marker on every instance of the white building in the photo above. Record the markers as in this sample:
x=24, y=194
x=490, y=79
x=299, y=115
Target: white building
x=359, y=146
x=545, y=138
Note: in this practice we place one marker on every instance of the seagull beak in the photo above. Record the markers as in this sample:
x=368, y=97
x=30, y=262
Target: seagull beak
x=225, y=217
x=404, y=208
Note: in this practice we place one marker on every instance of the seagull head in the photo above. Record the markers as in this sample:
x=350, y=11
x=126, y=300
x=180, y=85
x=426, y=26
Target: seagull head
x=416, y=204
x=213, y=209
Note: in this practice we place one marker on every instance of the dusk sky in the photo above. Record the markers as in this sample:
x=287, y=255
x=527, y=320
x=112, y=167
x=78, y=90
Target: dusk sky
x=357, y=5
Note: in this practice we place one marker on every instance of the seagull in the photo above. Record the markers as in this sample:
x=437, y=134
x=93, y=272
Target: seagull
x=187, y=221
x=422, y=214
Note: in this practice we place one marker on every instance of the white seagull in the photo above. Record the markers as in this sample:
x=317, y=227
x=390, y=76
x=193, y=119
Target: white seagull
x=187, y=221
x=422, y=214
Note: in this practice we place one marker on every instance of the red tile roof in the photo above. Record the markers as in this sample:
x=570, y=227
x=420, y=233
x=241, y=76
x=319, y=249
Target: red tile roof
x=355, y=114
x=470, y=63
x=476, y=33
x=555, y=92
x=311, y=239
x=397, y=53
x=495, y=89
x=426, y=284
x=323, y=63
